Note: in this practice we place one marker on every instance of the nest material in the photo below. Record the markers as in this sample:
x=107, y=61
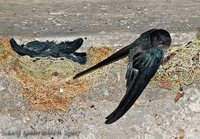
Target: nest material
x=46, y=83
x=182, y=67
x=95, y=56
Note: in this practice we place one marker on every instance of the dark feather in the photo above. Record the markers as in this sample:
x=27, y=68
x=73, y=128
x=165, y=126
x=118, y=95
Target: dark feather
x=114, y=57
x=119, y=54
x=50, y=48
x=149, y=62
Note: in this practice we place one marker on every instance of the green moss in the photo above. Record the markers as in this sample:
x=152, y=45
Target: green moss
x=44, y=68
x=183, y=67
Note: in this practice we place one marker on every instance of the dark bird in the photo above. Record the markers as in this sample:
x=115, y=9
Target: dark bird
x=145, y=55
x=49, y=48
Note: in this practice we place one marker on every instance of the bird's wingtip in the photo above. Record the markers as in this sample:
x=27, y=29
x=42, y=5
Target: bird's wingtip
x=12, y=41
x=75, y=77
x=107, y=123
x=110, y=120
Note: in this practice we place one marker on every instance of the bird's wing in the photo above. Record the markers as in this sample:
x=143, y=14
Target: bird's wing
x=71, y=47
x=19, y=49
x=36, y=46
x=114, y=57
x=118, y=55
x=140, y=71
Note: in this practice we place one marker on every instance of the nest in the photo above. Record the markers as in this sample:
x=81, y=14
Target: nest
x=46, y=83
x=182, y=67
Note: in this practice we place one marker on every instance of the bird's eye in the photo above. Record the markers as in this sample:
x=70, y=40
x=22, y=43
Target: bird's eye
x=160, y=42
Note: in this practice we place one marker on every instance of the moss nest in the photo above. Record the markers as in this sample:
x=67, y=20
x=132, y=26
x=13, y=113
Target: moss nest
x=181, y=68
x=47, y=82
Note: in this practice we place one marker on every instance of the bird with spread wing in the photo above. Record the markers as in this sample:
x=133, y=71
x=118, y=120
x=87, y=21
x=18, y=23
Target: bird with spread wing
x=145, y=55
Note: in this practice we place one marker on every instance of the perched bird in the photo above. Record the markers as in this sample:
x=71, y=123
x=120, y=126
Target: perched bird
x=49, y=48
x=145, y=55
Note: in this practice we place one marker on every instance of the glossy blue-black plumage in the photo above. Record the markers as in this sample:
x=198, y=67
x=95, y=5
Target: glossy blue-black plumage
x=49, y=48
x=146, y=65
x=145, y=55
x=117, y=55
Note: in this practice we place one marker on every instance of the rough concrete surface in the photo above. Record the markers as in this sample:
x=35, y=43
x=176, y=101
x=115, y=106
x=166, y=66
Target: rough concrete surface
x=103, y=23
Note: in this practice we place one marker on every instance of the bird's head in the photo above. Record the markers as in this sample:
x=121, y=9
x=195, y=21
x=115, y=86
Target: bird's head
x=161, y=39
